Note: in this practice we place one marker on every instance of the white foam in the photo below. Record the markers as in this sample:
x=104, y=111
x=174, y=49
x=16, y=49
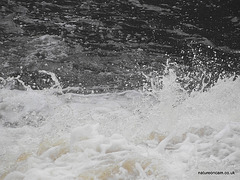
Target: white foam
x=130, y=135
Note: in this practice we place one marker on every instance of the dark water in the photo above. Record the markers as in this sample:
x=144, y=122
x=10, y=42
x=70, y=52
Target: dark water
x=107, y=45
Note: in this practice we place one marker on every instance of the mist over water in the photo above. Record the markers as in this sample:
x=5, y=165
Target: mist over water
x=119, y=90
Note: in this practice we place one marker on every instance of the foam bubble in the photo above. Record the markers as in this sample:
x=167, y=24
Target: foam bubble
x=167, y=134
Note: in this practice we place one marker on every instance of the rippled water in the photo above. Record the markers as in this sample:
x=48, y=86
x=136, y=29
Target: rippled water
x=119, y=90
x=110, y=43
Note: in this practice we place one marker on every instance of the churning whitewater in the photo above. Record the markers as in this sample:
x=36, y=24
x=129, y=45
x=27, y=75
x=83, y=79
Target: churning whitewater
x=166, y=133
x=119, y=90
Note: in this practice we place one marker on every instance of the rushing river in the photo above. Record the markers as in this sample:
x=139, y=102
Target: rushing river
x=119, y=90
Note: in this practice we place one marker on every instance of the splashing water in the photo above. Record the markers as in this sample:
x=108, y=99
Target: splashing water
x=163, y=132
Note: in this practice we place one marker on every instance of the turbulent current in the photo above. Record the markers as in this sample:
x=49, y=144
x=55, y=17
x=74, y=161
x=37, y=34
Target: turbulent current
x=119, y=90
x=167, y=134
